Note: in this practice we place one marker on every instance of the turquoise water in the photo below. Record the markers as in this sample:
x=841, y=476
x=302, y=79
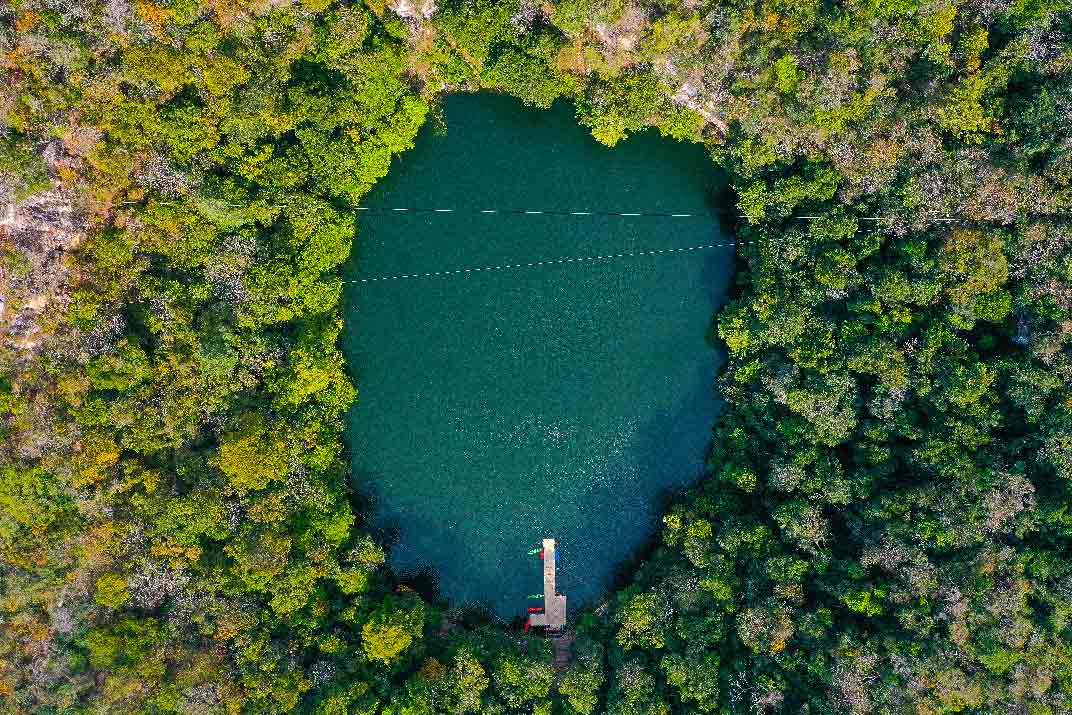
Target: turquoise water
x=499, y=407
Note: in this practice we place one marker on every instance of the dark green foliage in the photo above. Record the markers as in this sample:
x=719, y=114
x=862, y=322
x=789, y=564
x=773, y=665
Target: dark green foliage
x=885, y=525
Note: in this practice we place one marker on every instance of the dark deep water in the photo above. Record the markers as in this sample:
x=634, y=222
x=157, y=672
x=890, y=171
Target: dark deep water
x=499, y=407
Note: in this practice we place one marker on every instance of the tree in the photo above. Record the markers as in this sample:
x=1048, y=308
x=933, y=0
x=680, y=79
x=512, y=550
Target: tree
x=112, y=590
x=253, y=456
x=695, y=678
x=642, y=618
x=634, y=692
x=522, y=681
x=584, y=679
x=392, y=629
x=468, y=681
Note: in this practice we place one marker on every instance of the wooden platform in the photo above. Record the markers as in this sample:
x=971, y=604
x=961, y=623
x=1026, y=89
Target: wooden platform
x=554, y=605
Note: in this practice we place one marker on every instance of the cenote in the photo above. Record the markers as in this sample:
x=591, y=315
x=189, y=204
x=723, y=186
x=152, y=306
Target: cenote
x=496, y=408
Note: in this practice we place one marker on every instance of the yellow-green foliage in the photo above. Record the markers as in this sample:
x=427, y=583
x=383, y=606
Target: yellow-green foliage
x=884, y=524
x=253, y=455
x=111, y=590
x=391, y=630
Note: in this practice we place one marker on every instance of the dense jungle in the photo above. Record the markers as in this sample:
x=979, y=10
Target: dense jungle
x=884, y=524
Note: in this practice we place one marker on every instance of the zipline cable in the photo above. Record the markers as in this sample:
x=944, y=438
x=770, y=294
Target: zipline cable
x=549, y=262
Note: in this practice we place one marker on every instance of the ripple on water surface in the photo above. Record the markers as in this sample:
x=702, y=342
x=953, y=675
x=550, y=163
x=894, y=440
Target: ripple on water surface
x=497, y=408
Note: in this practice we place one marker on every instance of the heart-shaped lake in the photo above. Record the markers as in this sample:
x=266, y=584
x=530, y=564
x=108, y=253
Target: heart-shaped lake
x=540, y=396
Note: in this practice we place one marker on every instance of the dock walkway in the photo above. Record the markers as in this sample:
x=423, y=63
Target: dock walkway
x=554, y=605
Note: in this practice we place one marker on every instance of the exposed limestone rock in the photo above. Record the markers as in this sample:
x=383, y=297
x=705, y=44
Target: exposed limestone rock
x=689, y=95
x=36, y=236
x=413, y=9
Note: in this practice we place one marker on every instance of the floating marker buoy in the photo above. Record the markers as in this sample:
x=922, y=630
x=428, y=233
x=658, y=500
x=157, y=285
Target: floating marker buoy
x=535, y=609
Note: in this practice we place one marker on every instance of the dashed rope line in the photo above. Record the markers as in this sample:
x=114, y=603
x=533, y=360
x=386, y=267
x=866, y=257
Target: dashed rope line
x=527, y=212
x=661, y=214
x=553, y=212
x=550, y=262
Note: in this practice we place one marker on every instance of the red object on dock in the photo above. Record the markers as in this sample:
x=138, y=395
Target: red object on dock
x=528, y=622
x=541, y=553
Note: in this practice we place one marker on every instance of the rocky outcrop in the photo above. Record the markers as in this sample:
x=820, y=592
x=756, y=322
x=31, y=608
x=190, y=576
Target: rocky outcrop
x=413, y=9
x=37, y=235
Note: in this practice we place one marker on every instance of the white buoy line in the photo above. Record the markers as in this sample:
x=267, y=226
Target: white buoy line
x=660, y=214
x=526, y=212
x=549, y=262
x=555, y=212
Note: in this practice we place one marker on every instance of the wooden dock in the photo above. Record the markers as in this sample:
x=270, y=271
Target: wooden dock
x=554, y=605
